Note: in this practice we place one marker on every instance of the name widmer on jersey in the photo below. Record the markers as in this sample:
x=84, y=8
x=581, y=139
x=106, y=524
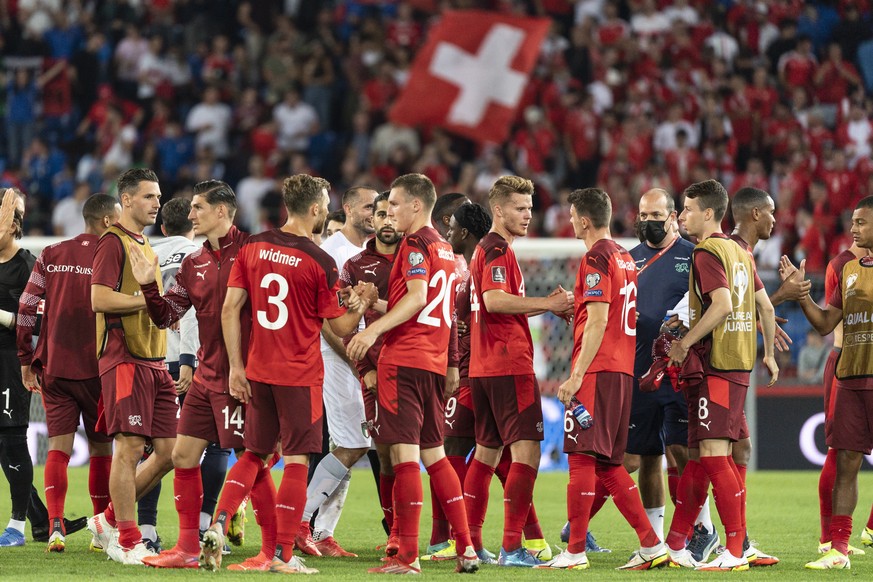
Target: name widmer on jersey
x=275, y=256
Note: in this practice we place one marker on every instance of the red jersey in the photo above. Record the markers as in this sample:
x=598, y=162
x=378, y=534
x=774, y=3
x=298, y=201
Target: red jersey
x=422, y=342
x=608, y=274
x=500, y=343
x=67, y=344
x=109, y=260
x=201, y=283
x=462, y=311
x=834, y=276
x=369, y=266
x=293, y=287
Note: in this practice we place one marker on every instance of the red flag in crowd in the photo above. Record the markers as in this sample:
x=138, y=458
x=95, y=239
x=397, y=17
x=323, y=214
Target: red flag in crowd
x=470, y=75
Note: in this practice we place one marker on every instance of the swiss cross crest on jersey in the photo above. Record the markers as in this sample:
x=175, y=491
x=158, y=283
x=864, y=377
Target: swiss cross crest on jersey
x=498, y=274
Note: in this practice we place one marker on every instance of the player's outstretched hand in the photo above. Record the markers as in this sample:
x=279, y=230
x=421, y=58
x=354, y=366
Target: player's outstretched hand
x=143, y=269
x=786, y=267
x=368, y=293
x=770, y=363
x=453, y=380
x=7, y=212
x=782, y=340
x=463, y=329
x=29, y=379
x=794, y=286
x=239, y=385
x=560, y=301
x=370, y=380
x=568, y=389
x=359, y=344
x=677, y=354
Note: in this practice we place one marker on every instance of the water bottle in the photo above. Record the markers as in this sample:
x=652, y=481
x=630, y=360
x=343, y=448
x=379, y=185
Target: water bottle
x=583, y=417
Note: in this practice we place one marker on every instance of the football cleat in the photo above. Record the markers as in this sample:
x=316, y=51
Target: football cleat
x=11, y=538
x=726, y=562
x=211, y=548
x=468, y=562
x=565, y=533
x=95, y=546
x=833, y=560
x=259, y=563
x=757, y=558
x=154, y=545
x=128, y=556
x=40, y=533
x=391, y=546
x=293, y=566
x=519, y=558
x=867, y=537
x=539, y=549
x=702, y=543
x=236, y=528
x=853, y=551
x=567, y=561
x=591, y=545
x=104, y=534
x=303, y=540
x=682, y=558
x=56, y=542
x=172, y=559
x=486, y=557
x=330, y=548
x=657, y=557
x=394, y=565
x=442, y=551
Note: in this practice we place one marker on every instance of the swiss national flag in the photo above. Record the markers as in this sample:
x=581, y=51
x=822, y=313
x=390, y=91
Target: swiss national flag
x=470, y=75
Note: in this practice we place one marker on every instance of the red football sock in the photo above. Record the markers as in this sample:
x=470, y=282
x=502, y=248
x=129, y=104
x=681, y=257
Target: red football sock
x=627, y=499
x=290, y=501
x=728, y=500
x=128, y=534
x=439, y=531
x=459, y=464
x=447, y=489
x=740, y=474
x=517, y=497
x=826, y=494
x=56, y=485
x=98, y=482
x=601, y=496
x=532, y=529
x=188, y=489
x=237, y=486
x=690, y=496
x=264, y=504
x=673, y=482
x=407, y=509
x=476, y=488
x=386, y=498
x=502, y=468
x=580, y=496
x=109, y=514
x=841, y=531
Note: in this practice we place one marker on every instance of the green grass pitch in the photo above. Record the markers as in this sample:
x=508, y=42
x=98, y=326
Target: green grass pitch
x=782, y=516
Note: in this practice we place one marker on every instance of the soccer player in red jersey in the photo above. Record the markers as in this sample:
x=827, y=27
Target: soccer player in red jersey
x=292, y=287
x=411, y=372
x=604, y=332
x=848, y=431
x=505, y=393
x=61, y=365
x=373, y=265
x=138, y=394
x=210, y=413
x=724, y=295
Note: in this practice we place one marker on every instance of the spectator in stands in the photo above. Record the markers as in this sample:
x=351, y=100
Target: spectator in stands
x=296, y=121
x=210, y=121
x=812, y=359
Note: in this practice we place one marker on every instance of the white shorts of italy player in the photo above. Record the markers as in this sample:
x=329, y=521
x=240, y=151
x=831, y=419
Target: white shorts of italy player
x=343, y=403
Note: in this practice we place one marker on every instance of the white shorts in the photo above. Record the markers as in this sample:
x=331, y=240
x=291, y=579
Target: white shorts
x=343, y=404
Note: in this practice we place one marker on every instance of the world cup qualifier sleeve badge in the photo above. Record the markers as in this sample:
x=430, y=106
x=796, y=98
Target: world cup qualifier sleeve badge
x=416, y=261
x=592, y=280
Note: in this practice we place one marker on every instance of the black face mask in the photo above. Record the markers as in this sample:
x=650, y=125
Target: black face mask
x=654, y=231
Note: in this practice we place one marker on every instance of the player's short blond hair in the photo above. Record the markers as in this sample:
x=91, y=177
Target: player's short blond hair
x=506, y=186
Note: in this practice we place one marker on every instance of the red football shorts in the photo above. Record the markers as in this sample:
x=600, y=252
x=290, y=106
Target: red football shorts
x=607, y=396
x=507, y=410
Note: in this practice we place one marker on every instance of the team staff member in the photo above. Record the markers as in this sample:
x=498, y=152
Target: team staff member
x=411, y=373
x=505, y=393
x=291, y=286
x=724, y=294
x=65, y=359
x=604, y=331
x=139, y=396
x=850, y=433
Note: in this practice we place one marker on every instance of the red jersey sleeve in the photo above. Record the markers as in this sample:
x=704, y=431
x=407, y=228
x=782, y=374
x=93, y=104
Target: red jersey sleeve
x=108, y=261
x=597, y=281
x=329, y=304
x=497, y=273
x=835, y=298
x=710, y=272
x=832, y=285
x=415, y=261
x=238, y=276
x=28, y=304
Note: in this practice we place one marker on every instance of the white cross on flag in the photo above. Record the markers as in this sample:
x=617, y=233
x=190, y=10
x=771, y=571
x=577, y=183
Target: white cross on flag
x=470, y=75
